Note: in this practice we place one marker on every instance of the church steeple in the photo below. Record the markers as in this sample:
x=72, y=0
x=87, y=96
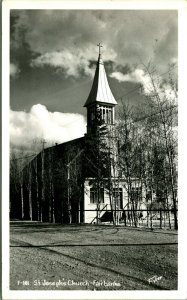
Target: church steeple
x=100, y=102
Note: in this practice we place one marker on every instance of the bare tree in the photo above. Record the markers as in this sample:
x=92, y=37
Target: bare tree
x=164, y=105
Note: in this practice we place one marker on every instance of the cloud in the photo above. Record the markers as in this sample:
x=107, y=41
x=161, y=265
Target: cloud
x=169, y=91
x=39, y=123
x=137, y=76
x=165, y=89
x=167, y=49
x=14, y=70
x=73, y=62
x=131, y=36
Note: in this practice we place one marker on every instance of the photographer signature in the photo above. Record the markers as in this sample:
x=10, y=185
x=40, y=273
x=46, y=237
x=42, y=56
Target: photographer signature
x=154, y=279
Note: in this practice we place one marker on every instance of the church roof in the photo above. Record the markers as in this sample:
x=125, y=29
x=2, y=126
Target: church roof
x=100, y=91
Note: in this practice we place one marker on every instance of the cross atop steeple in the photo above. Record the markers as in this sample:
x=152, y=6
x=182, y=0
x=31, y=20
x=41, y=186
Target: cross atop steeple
x=100, y=46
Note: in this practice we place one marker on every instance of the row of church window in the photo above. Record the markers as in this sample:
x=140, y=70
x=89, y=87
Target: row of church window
x=103, y=113
x=117, y=194
x=106, y=114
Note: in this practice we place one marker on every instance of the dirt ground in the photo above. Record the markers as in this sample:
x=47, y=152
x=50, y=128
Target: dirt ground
x=91, y=257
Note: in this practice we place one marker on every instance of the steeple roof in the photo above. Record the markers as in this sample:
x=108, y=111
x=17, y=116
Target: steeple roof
x=100, y=91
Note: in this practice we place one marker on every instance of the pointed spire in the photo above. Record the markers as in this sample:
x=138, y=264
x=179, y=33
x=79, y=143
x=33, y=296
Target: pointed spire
x=100, y=91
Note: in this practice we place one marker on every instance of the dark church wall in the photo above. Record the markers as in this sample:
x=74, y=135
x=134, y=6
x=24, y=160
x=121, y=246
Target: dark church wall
x=48, y=194
x=15, y=202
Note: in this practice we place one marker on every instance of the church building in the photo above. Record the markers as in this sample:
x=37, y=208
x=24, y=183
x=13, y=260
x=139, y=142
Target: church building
x=79, y=181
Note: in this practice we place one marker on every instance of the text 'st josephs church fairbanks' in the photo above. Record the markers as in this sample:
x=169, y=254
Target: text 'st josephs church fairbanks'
x=80, y=181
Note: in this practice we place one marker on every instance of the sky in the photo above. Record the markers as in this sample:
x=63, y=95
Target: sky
x=52, y=63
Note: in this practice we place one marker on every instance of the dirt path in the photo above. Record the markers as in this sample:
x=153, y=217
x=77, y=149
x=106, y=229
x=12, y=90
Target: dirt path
x=49, y=257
